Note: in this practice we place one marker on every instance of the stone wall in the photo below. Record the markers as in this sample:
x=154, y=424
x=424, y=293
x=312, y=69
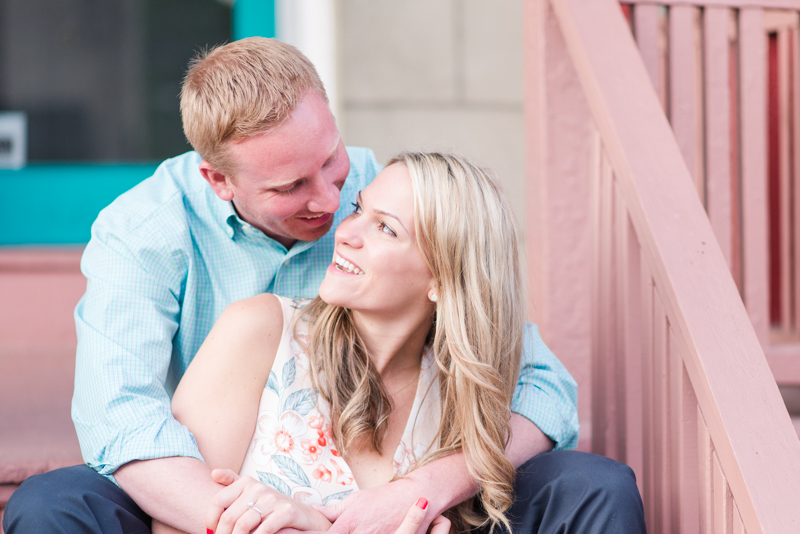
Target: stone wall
x=435, y=74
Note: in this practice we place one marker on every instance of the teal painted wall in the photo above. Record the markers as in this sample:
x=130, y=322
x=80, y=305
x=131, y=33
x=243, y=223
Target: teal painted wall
x=253, y=18
x=56, y=204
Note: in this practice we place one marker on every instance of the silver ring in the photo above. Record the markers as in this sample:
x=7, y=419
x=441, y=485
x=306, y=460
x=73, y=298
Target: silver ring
x=253, y=506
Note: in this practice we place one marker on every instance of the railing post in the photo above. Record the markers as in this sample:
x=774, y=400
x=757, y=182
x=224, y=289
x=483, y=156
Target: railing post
x=558, y=131
x=753, y=142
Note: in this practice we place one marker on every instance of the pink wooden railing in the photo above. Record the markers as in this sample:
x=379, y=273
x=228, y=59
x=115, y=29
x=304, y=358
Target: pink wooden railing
x=620, y=247
x=727, y=73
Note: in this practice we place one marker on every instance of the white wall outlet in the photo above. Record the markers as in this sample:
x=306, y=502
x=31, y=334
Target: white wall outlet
x=13, y=139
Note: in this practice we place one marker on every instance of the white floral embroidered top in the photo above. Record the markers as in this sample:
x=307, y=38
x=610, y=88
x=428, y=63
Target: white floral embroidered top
x=292, y=449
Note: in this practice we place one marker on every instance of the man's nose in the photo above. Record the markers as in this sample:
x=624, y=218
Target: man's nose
x=325, y=198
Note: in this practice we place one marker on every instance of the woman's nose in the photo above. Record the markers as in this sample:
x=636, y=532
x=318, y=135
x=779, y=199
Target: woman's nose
x=350, y=232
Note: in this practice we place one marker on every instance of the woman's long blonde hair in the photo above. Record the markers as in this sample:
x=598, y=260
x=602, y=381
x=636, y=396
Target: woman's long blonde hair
x=468, y=237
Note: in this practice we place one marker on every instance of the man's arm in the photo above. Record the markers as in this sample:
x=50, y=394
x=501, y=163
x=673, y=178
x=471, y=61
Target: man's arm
x=174, y=490
x=546, y=393
x=545, y=398
x=125, y=323
x=218, y=399
x=444, y=483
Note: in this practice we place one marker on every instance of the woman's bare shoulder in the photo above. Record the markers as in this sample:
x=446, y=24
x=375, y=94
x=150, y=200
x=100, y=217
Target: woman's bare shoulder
x=248, y=331
x=261, y=311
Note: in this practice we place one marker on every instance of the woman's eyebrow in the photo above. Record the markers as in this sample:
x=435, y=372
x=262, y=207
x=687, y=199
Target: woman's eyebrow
x=361, y=201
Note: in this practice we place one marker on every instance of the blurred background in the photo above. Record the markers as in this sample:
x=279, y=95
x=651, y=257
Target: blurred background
x=89, y=106
x=97, y=83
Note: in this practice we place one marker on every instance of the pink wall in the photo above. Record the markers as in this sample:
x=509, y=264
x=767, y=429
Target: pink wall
x=38, y=293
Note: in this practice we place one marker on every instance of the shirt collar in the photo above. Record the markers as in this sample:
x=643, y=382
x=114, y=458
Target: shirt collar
x=233, y=224
x=231, y=218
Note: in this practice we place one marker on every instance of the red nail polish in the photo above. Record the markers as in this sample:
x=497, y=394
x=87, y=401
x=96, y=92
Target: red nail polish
x=209, y=531
x=421, y=503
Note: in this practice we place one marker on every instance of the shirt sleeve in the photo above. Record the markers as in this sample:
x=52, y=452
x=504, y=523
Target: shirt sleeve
x=125, y=323
x=546, y=393
x=364, y=167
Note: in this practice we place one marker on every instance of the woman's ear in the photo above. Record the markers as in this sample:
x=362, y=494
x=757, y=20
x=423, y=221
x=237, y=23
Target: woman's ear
x=432, y=294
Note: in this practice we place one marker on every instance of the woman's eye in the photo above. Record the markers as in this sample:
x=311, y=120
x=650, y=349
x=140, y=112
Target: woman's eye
x=385, y=229
x=356, y=207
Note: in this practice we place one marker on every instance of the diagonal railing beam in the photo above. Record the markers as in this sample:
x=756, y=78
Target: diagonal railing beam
x=751, y=431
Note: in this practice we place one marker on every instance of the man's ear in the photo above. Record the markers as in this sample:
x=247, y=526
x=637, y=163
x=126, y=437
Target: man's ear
x=219, y=182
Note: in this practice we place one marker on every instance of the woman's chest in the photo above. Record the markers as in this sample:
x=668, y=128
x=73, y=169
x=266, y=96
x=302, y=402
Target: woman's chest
x=292, y=449
x=372, y=468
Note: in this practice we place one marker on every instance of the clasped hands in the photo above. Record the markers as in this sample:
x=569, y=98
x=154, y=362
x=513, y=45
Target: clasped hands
x=246, y=505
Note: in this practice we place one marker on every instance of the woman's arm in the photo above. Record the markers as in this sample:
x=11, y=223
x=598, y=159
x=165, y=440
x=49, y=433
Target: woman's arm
x=218, y=396
x=218, y=400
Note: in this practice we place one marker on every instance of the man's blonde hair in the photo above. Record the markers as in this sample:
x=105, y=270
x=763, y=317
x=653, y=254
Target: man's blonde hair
x=241, y=89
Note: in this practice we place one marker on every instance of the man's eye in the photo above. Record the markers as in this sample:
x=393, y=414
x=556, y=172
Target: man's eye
x=356, y=207
x=288, y=190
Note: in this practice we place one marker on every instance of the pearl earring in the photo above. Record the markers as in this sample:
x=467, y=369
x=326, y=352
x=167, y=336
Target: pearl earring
x=434, y=298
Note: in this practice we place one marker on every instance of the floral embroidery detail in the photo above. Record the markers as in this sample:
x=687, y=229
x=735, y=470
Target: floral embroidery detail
x=322, y=473
x=316, y=421
x=335, y=453
x=307, y=495
x=324, y=432
x=280, y=435
x=311, y=449
x=403, y=459
x=298, y=350
x=345, y=479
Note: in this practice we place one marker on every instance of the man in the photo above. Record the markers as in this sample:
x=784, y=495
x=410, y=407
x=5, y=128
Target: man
x=250, y=212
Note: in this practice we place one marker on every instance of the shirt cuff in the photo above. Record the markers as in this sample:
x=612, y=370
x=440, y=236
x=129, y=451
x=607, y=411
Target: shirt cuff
x=546, y=393
x=158, y=439
x=549, y=415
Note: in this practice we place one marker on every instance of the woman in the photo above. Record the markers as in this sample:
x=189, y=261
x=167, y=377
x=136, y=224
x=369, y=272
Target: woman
x=410, y=352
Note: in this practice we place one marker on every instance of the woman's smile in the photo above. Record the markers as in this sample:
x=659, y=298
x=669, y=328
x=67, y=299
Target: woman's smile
x=345, y=266
x=378, y=240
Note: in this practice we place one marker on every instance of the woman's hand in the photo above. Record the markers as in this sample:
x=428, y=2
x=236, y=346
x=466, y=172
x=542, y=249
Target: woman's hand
x=248, y=505
x=415, y=516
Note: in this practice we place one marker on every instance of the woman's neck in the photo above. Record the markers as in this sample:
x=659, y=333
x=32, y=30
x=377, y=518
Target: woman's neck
x=395, y=346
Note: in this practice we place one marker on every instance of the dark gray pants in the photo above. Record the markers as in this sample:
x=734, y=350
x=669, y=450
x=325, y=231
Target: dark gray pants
x=575, y=492
x=556, y=493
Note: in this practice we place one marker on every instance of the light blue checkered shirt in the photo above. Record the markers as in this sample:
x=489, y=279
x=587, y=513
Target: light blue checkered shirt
x=164, y=260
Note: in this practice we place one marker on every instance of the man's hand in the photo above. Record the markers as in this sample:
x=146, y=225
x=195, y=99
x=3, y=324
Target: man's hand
x=412, y=523
x=380, y=509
